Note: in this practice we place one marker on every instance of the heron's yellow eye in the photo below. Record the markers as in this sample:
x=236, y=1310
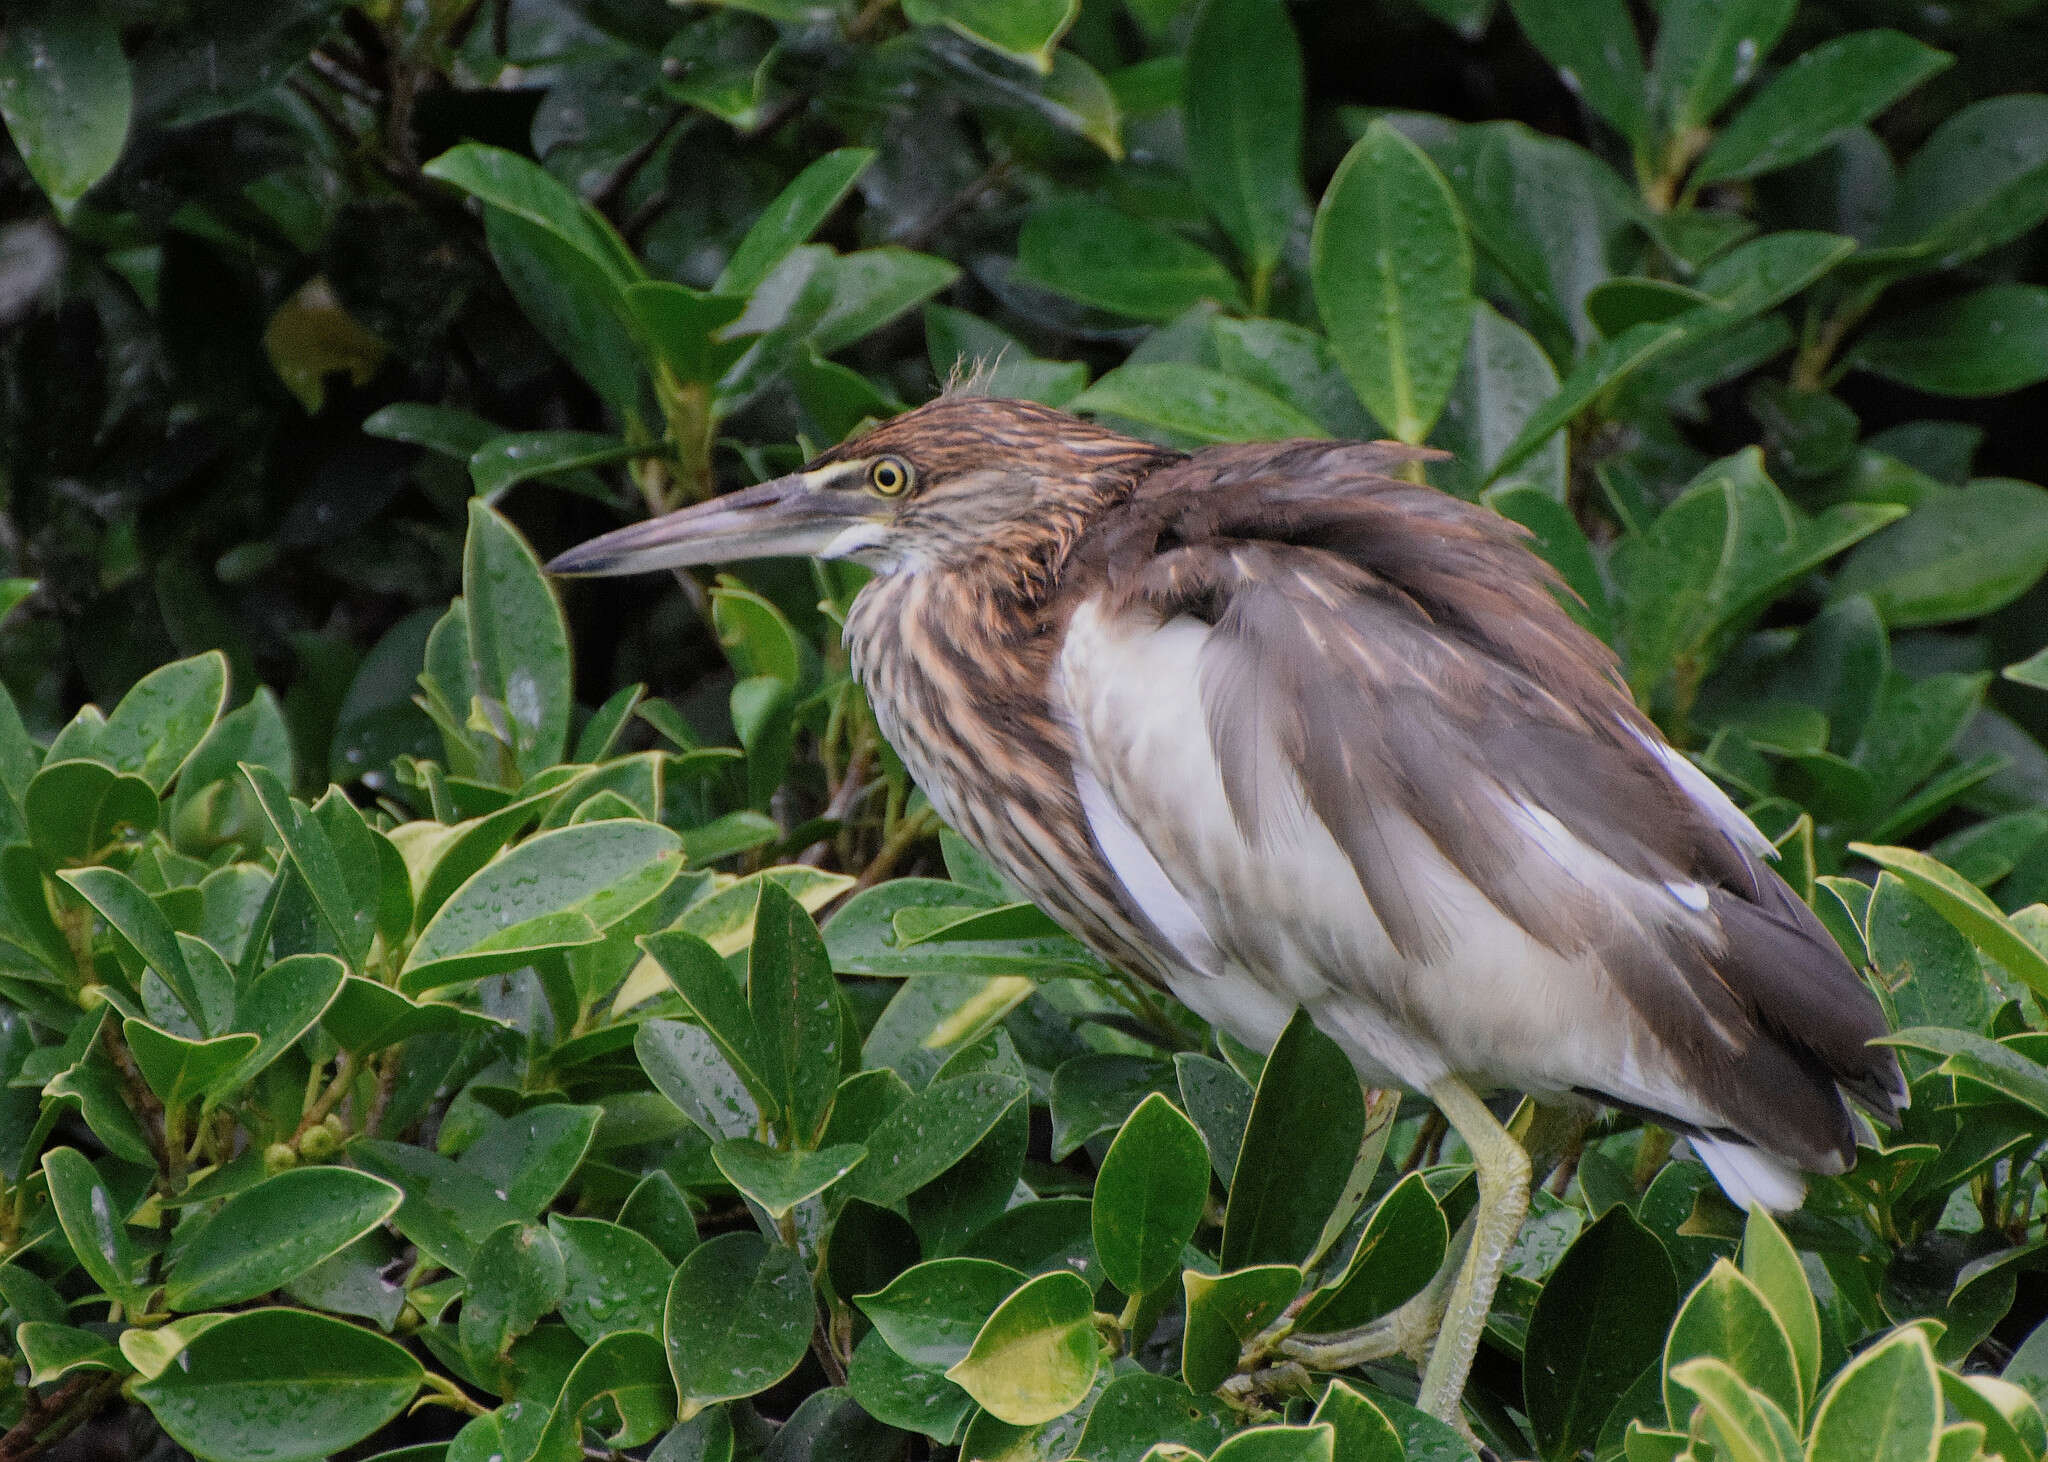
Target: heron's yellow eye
x=889, y=476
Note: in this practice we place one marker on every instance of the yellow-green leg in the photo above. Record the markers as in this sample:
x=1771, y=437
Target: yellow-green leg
x=1502, y=1169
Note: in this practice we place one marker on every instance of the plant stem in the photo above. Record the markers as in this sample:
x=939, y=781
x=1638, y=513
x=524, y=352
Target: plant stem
x=351, y=1065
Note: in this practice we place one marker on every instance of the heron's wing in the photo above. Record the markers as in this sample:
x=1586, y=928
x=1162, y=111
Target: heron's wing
x=1392, y=663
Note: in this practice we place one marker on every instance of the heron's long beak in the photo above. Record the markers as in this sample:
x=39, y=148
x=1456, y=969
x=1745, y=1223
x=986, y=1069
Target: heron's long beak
x=786, y=516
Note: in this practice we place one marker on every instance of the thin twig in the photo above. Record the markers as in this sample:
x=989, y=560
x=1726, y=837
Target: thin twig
x=47, y=1420
x=607, y=193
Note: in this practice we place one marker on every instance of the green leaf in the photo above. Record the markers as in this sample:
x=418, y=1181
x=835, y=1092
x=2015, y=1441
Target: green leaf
x=313, y=858
x=1964, y=905
x=1884, y=1406
x=1398, y=1252
x=1748, y=1425
x=1195, y=402
x=1983, y=1060
x=625, y=1369
x=1299, y=1147
x=2032, y=671
x=871, y=287
x=1984, y=343
x=1708, y=50
x=1279, y=1444
x=910, y=1398
x=963, y=344
x=792, y=218
x=54, y=1351
x=1242, y=110
x=1035, y=1358
x=1226, y=1310
x=1503, y=381
x=522, y=188
x=516, y=1276
x=779, y=1180
x=1980, y=181
x=1593, y=45
x=1605, y=365
x=75, y=808
x=66, y=95
x=794, y=1001
x=1772, y=1265
x=1149, y=1196
x=503, y=462
x=1138, y=1410
x=518, y=643
x=554, y=891
x=693, y=1069
x=324, y=1386
x=281, y=1005
x=738, y=1319
x=1727, y=1318
x=573, y=300
x=931, y=1312
x=929, y=1133
x=180, y=1070
x=1295, y=365
x=1025, y=30
x=1838, y=85
x=444, y=429
x=616, y=1279
x=1090, y=252
x=135, y=917
x=1598, y=1325
x=266, y=1236
x=159, y=723
x=1393, y=279
x=94, y=1228
x=1363, y=1432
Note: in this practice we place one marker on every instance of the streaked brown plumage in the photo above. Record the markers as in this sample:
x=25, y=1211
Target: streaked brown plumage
x=1272, y=725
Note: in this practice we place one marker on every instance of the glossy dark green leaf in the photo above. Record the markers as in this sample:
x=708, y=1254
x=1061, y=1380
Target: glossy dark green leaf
x=518, y=643
x=1393, y=280
x=158, y=723
x=1959, y=555
x=625, y=1370
x=1138, y=1410
x=266, y=1236
x=1504, y=380
x=1194, y=402
x=1299, y=1147
x=1223, y=1312
x=516, y=1276
x=1149, y=1196
x=1840, y=84
x=1965, y=906
x=694, y=1070
x=929, y=1133
x=443, y=429
x=324, y=1385
x=1605, y=365
x=1745, y=1422
x=1397, y=1253
x=1980, y=181
x=281, y=1005
x=1090, y=252
x=931, y=1312
x=316, y=862
x=792, y=218
x=96, y=1232
x=136, y=919
x=521, y=187
x=54, y=1351
x=66, y=95
x=614, y=1279
x=1706, y=51
x=1035, y=1358
x=909, y=1397
x=871, y=287
x=738, y=1319
x=1925, y=962
x=794, y=1001
x=554, y=891
x=503, y=462
x=1774, y=1267
x=1219, y=1101
x=1242, y=109
x=1984, y=343
x=1095, y=1093
x=1598, y=1325
x=1593, y=45
x=1293, y=364
x=779, y=1180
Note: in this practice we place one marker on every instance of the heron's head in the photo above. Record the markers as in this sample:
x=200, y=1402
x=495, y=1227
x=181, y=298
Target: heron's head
x=935, y=485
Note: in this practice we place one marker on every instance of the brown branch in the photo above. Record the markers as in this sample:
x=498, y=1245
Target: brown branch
x=607, y=193
x=48, y=1419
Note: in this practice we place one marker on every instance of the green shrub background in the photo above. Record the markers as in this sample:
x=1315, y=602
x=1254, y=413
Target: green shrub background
x=445, y=1019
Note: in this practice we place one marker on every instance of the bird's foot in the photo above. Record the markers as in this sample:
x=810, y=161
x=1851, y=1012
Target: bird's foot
x=1408, y=1331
